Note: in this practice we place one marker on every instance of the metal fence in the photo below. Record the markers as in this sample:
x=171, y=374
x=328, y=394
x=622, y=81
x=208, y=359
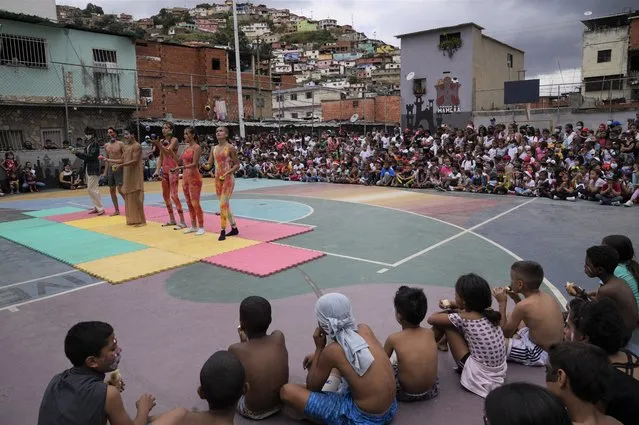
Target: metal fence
x=591, y=93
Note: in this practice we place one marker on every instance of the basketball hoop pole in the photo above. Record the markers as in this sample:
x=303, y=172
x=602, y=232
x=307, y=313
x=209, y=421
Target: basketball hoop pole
x=238, y=72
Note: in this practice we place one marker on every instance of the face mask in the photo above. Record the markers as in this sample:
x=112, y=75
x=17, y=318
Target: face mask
x=116, y=361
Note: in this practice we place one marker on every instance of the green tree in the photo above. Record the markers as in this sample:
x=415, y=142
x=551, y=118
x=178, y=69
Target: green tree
x=92, y=8
x=203, y=6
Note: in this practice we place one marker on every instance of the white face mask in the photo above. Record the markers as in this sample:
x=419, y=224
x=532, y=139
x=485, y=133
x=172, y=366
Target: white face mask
x=116, y=362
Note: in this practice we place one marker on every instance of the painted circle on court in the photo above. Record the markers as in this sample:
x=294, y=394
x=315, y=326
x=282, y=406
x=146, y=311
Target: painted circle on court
x=263, y=209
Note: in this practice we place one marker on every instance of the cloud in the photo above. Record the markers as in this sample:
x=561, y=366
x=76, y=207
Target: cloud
x=549, y=31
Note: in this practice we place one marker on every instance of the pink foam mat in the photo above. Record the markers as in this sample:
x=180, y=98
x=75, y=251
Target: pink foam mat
x=63, y=218
x=264, y=259
x=256, y=230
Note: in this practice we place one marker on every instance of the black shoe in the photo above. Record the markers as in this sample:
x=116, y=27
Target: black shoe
x=222, y=235
x=233, y=232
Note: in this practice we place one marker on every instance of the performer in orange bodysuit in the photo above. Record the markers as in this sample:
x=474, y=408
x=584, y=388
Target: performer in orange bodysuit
x=170, y=180
x=224, y=155
x=191, y=179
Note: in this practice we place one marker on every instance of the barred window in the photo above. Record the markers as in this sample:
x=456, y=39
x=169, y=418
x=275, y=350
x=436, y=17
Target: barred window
x=101, y=55
x=18, y=50
x=11, y=140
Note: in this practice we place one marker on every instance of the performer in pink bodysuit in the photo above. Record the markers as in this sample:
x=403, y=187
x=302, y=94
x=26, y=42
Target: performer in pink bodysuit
x=170, y=180
x=191, y=179
x=224, y=155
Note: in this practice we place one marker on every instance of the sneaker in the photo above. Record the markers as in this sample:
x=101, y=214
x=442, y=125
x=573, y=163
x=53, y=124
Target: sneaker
x=222, y=236
x=571, y=198
x=233, y=232
x=616, y=204
x=601, y=202
x=628, y=204
x=556, y=198
x=179, y=226
x=190, y=230
x=200, y=232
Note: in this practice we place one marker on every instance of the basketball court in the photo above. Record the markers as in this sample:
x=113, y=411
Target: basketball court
x=173, y=298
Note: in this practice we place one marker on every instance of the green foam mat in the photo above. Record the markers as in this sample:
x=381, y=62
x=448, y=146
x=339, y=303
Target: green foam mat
x=20, y=225
x=54, y=211
x=67, y=243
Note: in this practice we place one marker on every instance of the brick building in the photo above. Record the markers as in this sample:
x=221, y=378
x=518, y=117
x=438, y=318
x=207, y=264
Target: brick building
x=380, y=109
x=179, y=82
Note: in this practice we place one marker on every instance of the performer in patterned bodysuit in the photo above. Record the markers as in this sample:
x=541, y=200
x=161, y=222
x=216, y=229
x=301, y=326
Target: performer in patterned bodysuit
x=170, y=180
x=224, y=155
x=192, y=181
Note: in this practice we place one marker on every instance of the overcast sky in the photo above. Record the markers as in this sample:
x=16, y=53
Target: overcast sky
x=549, y=31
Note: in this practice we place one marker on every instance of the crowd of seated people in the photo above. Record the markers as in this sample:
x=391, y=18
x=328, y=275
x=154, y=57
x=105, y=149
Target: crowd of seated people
x=591, y=375
x=567, y=163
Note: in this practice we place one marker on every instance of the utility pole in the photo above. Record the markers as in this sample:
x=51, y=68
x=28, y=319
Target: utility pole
x=238, y=72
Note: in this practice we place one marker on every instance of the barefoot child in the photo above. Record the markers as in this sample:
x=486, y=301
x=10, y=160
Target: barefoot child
x=264, y=357
x=474, y=337
x=540, y=312
x=222, y=383
x=413, y=350
x=360, y=359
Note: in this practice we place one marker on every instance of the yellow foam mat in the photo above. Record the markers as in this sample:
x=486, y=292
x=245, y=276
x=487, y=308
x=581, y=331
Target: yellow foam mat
x=134, y=265
x=175, y=241
x=97, y=222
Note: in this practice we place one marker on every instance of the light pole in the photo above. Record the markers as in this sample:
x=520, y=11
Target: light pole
x=238, y=72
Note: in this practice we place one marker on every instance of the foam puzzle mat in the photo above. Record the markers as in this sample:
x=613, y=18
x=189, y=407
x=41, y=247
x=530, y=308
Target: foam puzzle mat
x=105, y=247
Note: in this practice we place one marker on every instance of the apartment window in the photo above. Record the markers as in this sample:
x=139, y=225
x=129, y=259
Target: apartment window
x=279, y=98
x=355, y=103
x=11, y=140
x=105, y=56
x=216, y=64
x=509, y=60
x=309, y=95
x=294, y=96
x=247, y=97
x=604, y=56
x=294, y=115
x=603, y=84
x=449, y=37
x=309, y=114
x=53, y=134
x=17, y=50
x=419, y=86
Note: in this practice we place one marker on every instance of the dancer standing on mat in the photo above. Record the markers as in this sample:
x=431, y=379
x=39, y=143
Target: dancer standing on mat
x=170, y=180
x=132, y=169
x=114, y=175
x=192, y=179
x=224, y=155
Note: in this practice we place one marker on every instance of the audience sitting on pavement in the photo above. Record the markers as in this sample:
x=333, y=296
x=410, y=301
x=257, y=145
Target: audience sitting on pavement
x=592, y=377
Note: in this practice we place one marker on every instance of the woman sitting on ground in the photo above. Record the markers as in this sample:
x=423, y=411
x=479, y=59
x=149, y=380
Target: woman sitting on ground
x=68, y=178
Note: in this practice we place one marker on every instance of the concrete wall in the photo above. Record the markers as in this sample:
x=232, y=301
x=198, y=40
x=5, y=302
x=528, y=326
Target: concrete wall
x=41, y=8
x=615, y=39
x=32, y=120
x=492, y=70
x=74, y=49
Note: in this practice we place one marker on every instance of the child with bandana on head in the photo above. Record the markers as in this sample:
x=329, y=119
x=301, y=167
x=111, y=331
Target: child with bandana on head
x=354, y=351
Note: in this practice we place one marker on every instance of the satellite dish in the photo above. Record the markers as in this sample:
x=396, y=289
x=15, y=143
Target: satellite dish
x=587, y=13
x=410, y=76
x=354, y=118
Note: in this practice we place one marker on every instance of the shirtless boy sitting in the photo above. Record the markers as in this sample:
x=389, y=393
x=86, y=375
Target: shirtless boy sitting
x=222, y=383
x=413, y=350
x=360, y=359
x=601, y=262
x=539, y=311
x=264, y=358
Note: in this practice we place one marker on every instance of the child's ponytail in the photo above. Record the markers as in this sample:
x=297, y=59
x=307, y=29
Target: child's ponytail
x=493, y=316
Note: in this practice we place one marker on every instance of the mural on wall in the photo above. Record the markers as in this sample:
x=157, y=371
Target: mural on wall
x=416, y=115
x=447, y=95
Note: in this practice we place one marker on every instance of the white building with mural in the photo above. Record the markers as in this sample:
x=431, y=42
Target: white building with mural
x=448, y=73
